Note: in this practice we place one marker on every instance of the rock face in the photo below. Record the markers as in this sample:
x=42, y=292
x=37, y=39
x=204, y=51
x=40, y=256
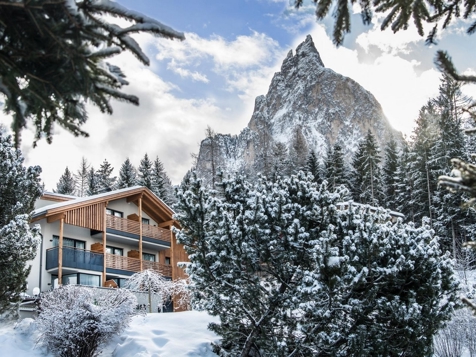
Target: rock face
x=306, y=102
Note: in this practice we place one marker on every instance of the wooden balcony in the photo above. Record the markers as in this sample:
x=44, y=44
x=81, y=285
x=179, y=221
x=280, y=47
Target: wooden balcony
x=89, y=260
x=133, y=227
x=133, y=264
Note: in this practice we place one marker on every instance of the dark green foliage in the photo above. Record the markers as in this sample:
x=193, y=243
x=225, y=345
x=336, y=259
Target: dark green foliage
x=365, y=177
x=105, y=181
x=52, y=60
x=145, y=177
x=66, y=184
x=19, y=189
x=313, y=167
x=93, y=183
x=127, y=175
x=336, y=171
x=389, y=170
x=161, y=184
x=291, y=272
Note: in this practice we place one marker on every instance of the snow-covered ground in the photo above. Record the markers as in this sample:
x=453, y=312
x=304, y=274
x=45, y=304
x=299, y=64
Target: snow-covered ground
x=153, y=335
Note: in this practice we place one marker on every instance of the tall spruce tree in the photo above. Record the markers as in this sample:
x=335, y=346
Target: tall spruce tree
x=81, y=178
x=290, y=274
x=145, y=177
x=127, y=175
x=336, y=171
x=161, y=186
x=281, y=162
x=93, y=186
x=313, y=167
x=66, y=184
x=389, y=171
x=19, y=189
x=298, y=150
x=105, y=180
x=404, y=185
x=366, y=177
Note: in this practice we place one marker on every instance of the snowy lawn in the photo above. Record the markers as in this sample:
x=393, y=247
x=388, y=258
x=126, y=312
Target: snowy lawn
x=154, y=335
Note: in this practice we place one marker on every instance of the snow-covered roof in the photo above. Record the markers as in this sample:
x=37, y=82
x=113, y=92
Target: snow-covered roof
x=59, y=195
x=78, y=200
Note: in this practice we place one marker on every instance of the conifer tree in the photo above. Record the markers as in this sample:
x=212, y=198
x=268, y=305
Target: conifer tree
x=281, y=164
x=389, y=170
x=106, y=182
x=313, y=167
x=298, y=151
x=19, y=189
x=366, y=178
x=66, y=184
x=93, y=187
x=289, y=273
x=162, y=186
x=81, y=178
x=127, y=175
x=336, y=172
x=145, y=176
x=58, y=51
x=404, y=185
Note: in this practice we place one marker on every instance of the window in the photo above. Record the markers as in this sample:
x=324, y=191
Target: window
x=69, y=242
x=77, y=279
x=149, y=257
x=145, y=220
x=114, y=250
x=114, y=213
x=121, y=282
x=167, y=260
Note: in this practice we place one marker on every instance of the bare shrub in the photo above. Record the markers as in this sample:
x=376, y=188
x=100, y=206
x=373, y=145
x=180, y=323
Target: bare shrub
x=75, y=321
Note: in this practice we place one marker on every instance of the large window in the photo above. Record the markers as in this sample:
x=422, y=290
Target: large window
x=69, y=242
x=114, y=250
x=114, y=213
x=149, y=257
x=77, y=279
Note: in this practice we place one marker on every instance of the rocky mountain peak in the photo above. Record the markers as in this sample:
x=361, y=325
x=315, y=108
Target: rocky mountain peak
x=306, y=103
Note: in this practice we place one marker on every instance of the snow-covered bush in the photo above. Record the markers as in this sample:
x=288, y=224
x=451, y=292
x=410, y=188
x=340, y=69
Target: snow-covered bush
x=457, y=336
x=290, y=271
x=75, y=321
x=159, y=288
x=19, y=189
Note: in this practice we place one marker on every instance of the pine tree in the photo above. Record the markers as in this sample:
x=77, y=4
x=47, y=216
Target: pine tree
x=66, y=183
x=366, y=178
x=93, y=187
x=298, y=151
x=127, y=175
x=288, y=273
x=58, y=50
x=404, y=185
x=389, y=174
x=281, y=163
x=81, y=178
x=313, y=167
x=145, y=177
x=161, y=184
x=336, y=171
x=19, y=189
x=105, y=181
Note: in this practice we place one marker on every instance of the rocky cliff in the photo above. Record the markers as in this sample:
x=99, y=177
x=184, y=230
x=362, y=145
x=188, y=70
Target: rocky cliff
x=307, y=107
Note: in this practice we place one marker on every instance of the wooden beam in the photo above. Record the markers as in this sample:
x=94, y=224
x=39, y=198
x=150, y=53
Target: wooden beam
x=134, y=198
x=56, y=217
x=166, y=224
x=60, y=253
x=140, y=232
x=173, y=263
x=104, y=247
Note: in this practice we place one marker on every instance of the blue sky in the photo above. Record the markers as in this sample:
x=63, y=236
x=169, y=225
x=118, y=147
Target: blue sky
x=231, y=51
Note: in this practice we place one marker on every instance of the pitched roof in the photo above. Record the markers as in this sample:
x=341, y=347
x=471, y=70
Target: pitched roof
x=151, y=203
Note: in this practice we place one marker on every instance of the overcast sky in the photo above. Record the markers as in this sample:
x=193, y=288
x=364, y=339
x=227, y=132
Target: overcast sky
x=231, y=51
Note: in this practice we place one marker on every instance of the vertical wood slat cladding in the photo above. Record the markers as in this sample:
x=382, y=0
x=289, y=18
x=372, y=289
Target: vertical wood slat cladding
x=88, y=217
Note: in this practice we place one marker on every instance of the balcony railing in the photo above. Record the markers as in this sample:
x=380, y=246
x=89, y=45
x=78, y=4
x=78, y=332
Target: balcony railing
x=75, y=258
x=133, y=227
x=133, y=264
x=88, y=260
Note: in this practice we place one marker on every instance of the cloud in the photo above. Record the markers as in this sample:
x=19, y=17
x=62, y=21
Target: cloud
x=185, y=73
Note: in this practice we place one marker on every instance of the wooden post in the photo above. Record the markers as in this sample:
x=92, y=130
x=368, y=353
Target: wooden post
x=172, y=254
x=60, y=253
x=140, y=232
x=104, y=246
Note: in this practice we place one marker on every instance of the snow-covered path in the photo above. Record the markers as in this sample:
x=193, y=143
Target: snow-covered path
x=154, y=335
